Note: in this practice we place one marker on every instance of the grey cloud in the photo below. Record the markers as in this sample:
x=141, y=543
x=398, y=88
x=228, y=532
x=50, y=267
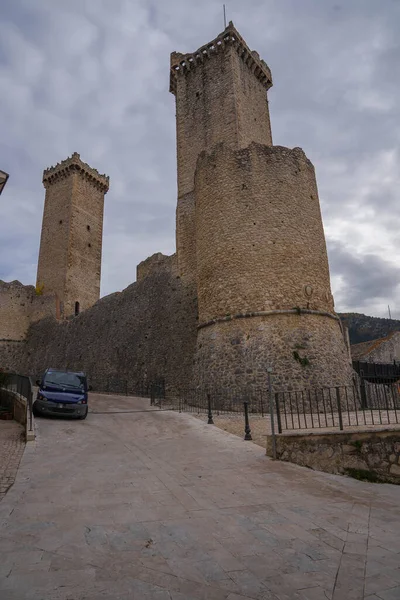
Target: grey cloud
x=366, y=278
x=92, y=77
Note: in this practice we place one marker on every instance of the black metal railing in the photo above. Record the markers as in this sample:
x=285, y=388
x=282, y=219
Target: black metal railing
x=338, y=407
x=369, y=402
x=19, y=384
x=222, y=400
x=377, y=372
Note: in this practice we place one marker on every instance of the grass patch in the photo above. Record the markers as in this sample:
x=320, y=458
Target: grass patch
x=357, y=445
x=363, y=475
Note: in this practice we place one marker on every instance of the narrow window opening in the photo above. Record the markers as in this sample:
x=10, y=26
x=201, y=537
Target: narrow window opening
x=60, y=221
x=90, y=245
x=88, y=227
x=76, y=309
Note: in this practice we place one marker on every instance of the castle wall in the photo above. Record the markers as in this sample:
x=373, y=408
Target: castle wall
x=260, y=240
x=156, y=262
x=43, y=306
x=19, y=307
x=261, y=249
x=144, y=333
x=237, y=353
x=15, y=300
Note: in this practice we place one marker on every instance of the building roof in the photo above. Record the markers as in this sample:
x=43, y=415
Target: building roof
x=361, y=350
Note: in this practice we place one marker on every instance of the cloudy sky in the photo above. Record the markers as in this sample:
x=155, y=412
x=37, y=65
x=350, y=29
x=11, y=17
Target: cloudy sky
x=92, y=76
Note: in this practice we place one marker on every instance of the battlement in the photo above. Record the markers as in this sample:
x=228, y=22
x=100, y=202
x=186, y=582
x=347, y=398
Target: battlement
x=75, y=164
x=183, y=63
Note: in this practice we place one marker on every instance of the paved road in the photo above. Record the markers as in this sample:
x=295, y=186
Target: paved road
x=157, y=505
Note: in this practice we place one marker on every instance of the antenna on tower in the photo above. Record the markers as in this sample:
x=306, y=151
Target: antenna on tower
x=224, y=16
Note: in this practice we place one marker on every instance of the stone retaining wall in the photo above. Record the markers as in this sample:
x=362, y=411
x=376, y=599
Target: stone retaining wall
x=17, y=404
x=363, y=454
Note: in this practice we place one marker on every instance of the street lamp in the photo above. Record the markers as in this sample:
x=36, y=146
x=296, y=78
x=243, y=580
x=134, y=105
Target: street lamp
x=3, y=179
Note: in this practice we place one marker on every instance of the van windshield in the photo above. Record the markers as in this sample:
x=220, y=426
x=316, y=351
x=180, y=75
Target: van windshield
x=62, y=379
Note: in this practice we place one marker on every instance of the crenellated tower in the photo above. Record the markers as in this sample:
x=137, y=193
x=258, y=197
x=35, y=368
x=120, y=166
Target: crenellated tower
x=250, y=238
x=72, y=232
x=221, y=96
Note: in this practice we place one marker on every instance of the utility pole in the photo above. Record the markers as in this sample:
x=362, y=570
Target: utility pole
x=390, y=316
x=224, y=16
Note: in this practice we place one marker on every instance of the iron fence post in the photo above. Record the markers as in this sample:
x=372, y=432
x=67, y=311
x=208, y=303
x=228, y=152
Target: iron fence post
x=278, y=412
x=210, y=417
x=339, y=409
x=363, y=393
x=30, y=405
x=247, y=430
x=151, y=395
x=271, y=411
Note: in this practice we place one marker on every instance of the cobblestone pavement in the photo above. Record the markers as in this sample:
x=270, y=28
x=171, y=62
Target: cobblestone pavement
x=12, y=446
x=159, y=505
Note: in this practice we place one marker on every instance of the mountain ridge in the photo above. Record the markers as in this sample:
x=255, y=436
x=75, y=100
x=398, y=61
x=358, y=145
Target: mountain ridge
x=363, y=328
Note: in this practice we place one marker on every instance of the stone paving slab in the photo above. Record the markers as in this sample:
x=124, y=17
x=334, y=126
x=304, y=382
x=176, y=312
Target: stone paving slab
x=160, y=505
x=12, y=446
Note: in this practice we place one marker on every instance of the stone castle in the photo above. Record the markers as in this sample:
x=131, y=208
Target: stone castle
x=249, y=285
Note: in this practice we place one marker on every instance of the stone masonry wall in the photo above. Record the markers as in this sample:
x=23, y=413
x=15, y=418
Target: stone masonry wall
x=385, y=351
x=156, y=262
x=236, y=353
x=261, y=260
x=354, y=453
x=15, y=300
x=85, y=245
x=219, y=98
x=19, y=307
x=54, y=241
x=71, y=239
x=260, y=239
x=144, y=333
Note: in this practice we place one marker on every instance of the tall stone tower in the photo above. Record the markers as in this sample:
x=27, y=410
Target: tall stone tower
x=72, y=231
x=249, y=230
x=221, y=96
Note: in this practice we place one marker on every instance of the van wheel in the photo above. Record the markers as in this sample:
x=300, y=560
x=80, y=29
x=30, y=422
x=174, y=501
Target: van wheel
x=84, y=416
x=35, y=411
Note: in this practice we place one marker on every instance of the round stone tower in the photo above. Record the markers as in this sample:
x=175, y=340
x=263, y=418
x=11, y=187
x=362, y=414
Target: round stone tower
x=262, y=272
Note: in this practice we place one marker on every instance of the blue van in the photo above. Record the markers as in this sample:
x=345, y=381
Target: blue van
x=63, y=393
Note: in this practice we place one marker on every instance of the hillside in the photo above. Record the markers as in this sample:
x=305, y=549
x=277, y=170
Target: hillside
x=363, y=328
